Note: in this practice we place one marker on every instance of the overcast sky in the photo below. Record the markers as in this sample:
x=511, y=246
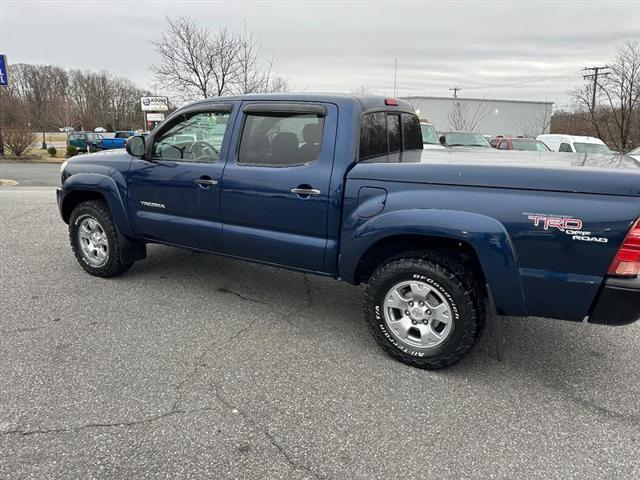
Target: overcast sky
x=514, y=50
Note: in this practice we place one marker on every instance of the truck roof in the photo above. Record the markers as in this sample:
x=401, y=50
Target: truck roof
x=368, y=102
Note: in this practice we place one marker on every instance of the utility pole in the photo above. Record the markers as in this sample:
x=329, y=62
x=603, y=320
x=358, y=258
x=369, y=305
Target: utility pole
x=601, y=70
x=395, y=78
x=455, y=91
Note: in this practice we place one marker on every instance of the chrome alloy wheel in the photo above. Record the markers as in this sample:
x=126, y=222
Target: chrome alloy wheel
x=417, y=314
x=93, y=242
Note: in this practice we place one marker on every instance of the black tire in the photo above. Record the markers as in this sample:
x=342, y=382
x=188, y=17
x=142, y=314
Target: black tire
x=449, y=278
x=97, y=210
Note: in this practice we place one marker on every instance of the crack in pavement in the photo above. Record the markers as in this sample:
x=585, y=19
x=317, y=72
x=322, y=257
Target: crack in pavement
x=131, y=423
x=231, y=292
x=174, y=410
x=23, y=330
x=295, y=464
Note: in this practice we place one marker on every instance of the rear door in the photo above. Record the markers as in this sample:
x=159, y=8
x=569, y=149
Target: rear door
x=275, y=185
x=175, y=194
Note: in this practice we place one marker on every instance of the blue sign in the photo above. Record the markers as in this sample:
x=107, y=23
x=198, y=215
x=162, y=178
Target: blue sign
x=4, y=78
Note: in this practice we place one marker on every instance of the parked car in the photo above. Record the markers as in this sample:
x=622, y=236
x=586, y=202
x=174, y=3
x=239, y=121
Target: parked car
x=635, y=154
x=99, y=130
x=430, y=140
x=339, y=186
x=464, y=139
x=85, y=141
x=519, y=143
x=118, y=141
x=574, y=143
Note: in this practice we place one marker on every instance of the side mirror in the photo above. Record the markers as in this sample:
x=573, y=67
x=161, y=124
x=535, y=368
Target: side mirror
x=136, y=146
x=443, y=140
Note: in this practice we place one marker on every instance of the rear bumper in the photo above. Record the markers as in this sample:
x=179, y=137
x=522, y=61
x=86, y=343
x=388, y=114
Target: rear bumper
x=618, y=303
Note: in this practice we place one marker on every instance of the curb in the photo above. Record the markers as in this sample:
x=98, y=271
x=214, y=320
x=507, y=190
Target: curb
x=5, y=182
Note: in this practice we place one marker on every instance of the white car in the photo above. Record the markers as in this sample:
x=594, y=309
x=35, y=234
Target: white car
x=99, y=130
x=574, y=143
x=635, y=154
x=430, y=139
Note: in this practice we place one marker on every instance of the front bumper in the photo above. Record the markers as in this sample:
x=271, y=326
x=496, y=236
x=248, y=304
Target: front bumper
x=618, y=303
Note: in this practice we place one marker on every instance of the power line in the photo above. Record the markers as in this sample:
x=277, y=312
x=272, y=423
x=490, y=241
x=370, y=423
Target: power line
x=455, y=91
x=600, y=70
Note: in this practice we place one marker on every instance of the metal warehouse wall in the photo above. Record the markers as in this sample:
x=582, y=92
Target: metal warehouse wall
x=492, y=117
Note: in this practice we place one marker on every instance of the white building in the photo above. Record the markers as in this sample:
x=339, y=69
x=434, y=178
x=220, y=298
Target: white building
x=484, y=115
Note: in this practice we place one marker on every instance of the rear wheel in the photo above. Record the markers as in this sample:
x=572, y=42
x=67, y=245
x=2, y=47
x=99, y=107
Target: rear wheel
x=424, y=309
x=94, y=239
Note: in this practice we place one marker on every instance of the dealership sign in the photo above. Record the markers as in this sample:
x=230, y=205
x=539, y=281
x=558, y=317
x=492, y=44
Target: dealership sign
x=155, y=117
x=4, y=78
x=154, y=104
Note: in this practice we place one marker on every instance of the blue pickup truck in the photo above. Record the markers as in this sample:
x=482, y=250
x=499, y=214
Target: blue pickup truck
x=339, y=186
x=119, y=140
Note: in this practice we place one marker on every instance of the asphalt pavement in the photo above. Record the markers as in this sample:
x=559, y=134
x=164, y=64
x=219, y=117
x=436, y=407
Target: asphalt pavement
x=31, y=174
x=197, y=366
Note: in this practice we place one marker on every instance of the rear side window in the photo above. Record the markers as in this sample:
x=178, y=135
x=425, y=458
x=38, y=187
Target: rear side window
x=276, y=139
x=373, y=135
x=382, y=133
x=565, y=147
x=411, y=132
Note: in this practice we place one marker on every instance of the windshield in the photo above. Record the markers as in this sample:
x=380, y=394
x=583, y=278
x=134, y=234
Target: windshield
x=429, y=134
x=591, y=148
x=531, y=145
x=123, y=134
x=465, y=139
x=632, y=152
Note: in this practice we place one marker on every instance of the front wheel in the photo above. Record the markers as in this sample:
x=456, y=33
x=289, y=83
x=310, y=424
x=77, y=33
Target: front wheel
x=424, y=309
x=94, y=239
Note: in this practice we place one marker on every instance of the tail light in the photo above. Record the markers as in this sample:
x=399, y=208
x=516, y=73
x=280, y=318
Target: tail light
x=627, y=261
x=391, y=102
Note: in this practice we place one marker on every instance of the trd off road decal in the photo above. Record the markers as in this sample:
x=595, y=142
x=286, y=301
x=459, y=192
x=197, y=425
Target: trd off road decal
x=568, y=225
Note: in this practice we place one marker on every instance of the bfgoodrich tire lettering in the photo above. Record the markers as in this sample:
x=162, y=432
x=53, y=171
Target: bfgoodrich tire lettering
x=448, y=280
x=96, y=212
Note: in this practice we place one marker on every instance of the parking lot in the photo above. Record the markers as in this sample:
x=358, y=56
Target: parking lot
x=192, y=365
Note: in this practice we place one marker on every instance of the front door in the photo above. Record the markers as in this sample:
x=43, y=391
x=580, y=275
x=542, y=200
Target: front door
x=175, y=194
x=276, y=184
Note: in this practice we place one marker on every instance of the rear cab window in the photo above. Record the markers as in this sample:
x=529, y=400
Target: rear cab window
x=385, y=132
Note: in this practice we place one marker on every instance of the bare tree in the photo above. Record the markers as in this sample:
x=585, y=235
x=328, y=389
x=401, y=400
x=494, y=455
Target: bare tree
x=196, y=62
x=185, y=58
x=223, y=60
x=539, y=123
x=464, y=116
x=457, y=116
x=622, y=91
x=18, y=140
x=361, y=91
x=277, y=84
x=615, y=117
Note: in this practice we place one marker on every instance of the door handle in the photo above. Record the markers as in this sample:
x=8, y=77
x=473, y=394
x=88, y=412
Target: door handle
x=306, y=192
x=205, y=182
